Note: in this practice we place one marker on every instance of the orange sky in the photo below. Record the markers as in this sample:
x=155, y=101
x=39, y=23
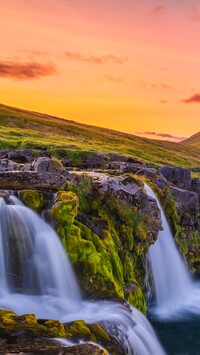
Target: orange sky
x=130, y=65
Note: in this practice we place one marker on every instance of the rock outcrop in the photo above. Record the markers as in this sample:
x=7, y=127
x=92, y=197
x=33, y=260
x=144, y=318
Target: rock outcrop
x=26, y=334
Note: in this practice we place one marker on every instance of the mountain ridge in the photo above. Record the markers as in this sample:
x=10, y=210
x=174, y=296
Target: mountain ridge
x=194, y=140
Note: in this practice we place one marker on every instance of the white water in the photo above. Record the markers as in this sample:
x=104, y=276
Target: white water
x=36, y=277
x=175, y=292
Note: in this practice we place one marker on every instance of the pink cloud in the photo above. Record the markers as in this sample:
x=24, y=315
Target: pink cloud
x=162, y=135
x=158, y=10
x=194, y=98
x=102, y=60
x=27, y=70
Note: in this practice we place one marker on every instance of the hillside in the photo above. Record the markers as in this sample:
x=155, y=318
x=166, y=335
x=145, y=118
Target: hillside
x=193, y=141
x=20, y=128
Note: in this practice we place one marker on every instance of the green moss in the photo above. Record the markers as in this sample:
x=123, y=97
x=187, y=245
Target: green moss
x=136, y=298
x=99, y=332
x=56, y=328
x=79, y=328
x=33, y=199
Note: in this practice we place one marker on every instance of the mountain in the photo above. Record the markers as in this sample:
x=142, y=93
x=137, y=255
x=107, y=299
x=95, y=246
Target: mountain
x=193, y=140
x=21, y=128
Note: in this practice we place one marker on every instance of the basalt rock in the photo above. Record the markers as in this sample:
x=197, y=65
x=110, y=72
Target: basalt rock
x=196, y=187
x=17, y=155
x=178, y=176
x=17, y=180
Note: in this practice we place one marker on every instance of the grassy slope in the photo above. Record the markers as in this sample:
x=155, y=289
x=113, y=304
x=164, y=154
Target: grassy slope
x=193, y=141
x=19, y=128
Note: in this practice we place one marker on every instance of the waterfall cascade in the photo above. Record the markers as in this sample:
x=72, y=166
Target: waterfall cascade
x=36, y=277
x=176, y=293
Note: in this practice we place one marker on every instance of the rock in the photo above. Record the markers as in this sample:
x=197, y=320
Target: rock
x=116, y=157
x=153, y=175
x=196, y=186
x=27, y=167
x=25, y=180
x=97, y=161
x=187, y=204
x=18, y=155
x=81, y=349
x=28, y=335
x=178, y=176
x=43, y=164
x=7, y=165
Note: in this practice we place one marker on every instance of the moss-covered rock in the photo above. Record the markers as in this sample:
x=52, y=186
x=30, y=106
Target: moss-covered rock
x=33, y=199
x=106, y=235
x=28, y=334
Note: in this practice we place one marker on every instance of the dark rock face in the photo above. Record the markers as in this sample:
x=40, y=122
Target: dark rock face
x=187, y=205
x=18, y=155
x=196, y=187
x=178, y=176
x=153, y=175
x=97, y=161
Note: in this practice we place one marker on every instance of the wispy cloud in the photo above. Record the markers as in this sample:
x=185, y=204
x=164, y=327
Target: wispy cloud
x=33, y=53
x=158, y=10
x=99, y=60
x=27, y=70
x=163, y=101
x=194, y=98
x=114, y=79
x=162, y=135
x=138, y=83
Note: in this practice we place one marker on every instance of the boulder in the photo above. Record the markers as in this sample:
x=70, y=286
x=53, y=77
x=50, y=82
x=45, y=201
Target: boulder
x=17, y=155
x=187, y=205
x=96, y=161
x=178, y=176
x=7, y=165
x=153, y=175
x=42, y=164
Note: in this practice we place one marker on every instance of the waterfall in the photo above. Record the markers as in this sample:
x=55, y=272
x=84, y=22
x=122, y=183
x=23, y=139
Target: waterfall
x=36, y=277
x=175, y=292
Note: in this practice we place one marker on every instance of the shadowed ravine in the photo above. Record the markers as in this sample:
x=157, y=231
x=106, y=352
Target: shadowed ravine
x=36, y=277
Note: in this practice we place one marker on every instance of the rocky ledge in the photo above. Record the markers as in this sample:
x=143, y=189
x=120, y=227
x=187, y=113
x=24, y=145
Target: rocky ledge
x=26, y=334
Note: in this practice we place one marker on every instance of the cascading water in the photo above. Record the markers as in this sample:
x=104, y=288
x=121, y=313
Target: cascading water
x=175, y=292
x=36, y=277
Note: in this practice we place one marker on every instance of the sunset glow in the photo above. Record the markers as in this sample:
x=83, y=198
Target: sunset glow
x=128, y=65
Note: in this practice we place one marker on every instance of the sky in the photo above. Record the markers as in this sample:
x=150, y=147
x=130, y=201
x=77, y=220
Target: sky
x=129, y=65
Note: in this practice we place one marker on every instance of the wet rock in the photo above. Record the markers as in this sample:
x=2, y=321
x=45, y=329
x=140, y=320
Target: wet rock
x=28, y=335
x=178, y=176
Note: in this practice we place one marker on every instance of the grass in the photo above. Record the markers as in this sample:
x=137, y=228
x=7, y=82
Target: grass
x=193, y=141
x=20, y=128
